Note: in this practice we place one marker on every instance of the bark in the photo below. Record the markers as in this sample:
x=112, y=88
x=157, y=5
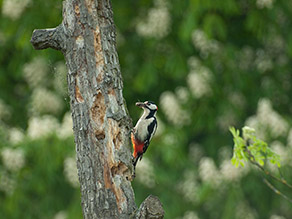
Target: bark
x=101, y=122
x=151, y=208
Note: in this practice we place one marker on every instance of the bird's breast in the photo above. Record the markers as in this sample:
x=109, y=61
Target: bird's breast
x=142, y=128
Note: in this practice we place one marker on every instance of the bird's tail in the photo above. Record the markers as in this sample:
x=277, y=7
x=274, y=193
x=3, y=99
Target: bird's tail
x=134, y=161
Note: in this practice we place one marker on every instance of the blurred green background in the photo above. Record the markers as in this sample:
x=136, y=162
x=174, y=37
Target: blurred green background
x=207, y=64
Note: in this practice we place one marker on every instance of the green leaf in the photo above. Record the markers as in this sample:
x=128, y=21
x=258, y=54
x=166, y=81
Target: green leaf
x=214, y=26
x=261, y=162
x=259, y=150
x=233, y=160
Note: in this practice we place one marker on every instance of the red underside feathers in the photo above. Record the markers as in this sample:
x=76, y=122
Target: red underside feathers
x=137, y=145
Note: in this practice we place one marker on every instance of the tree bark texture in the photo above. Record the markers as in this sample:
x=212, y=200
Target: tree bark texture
x=101, y=122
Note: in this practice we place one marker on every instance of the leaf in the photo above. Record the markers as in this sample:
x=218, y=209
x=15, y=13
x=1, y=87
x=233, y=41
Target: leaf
x=261, y=162
x=214, y=26
x=187, y=26
x=234, y=161
x=259, y=150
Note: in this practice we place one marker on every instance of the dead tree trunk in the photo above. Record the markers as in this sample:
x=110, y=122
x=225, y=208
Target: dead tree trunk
x=101, y=123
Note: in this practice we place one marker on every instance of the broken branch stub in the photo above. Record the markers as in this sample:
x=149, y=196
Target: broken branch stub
x=48, y=38
x=151, y=208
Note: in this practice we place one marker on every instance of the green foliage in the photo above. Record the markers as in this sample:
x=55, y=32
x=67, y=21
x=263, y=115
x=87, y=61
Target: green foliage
x=39, y=189
x=222, y=63
x=251, y=148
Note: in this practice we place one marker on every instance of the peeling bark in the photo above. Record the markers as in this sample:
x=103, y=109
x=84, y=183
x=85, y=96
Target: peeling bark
x=101, y=123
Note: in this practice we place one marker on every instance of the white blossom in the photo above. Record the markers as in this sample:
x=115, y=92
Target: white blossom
x=15, y=135
x=189, y=186
x=145, y=173
x=289, y=139
x=275, y=45
x=200, y=40
x=39, y=127
x=13, y=159
x=255, y=123
x=281, y=150
x=248, y=132
x=243, y=211
x=160, y=3
x=190, y=215
x=4, y=110
x=263, y=62
x=226, y=119
x=182, y=94
x=194, y=62
x=230, y=173
x=7, y=184
x=264, y=4
x=14, y=8
x=267, y=120
x=66, y=128
x=271, y=119
x=199, y=78
x=225, y=153
x=70, y=171
x=157, y=24
x=203, y=44
x=35, y=72
x=208, y=172
x=274, y=216
x=61, y=215
x=45, y=101
x=199, y=82
x=172, y=109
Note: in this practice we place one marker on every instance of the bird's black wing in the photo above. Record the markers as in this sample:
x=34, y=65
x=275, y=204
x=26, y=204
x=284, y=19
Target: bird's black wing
x=151, y=130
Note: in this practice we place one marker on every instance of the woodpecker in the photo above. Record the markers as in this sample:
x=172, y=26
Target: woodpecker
x=144, y=130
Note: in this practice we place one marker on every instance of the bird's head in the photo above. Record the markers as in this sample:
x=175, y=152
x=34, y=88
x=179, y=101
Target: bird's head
x=148, y=106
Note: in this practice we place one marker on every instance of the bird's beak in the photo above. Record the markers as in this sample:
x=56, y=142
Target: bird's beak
x=140, y=104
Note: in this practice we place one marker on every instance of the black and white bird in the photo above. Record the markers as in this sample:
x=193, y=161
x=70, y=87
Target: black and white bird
x=144, y=130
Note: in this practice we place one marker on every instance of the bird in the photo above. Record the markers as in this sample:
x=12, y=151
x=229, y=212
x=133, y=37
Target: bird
x=144, y=130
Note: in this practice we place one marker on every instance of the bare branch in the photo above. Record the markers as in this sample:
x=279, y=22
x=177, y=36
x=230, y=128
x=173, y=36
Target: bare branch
x=48, y=38
x=276, y=190
x=281, y=180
